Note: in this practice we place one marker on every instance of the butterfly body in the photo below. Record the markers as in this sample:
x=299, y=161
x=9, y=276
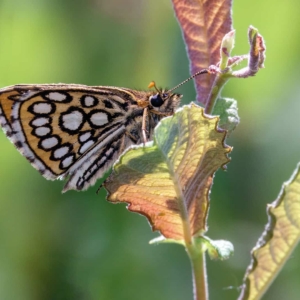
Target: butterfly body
x=77, y=131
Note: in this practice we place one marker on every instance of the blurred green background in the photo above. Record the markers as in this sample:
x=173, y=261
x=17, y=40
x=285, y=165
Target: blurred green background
x=78, y=246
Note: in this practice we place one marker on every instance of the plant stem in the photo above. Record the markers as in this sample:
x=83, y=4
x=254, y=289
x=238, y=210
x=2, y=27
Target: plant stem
x=198, y=263
x=220, y=81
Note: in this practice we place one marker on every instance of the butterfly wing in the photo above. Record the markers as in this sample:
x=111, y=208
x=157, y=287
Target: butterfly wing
x=70, y=131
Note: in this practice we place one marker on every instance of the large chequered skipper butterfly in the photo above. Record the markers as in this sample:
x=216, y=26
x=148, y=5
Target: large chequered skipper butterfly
x=76, y=131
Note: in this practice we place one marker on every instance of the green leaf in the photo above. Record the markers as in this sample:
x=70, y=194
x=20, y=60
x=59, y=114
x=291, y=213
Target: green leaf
x=226, y=47
x=227, y=110
x=169, y=180
x=281, y=236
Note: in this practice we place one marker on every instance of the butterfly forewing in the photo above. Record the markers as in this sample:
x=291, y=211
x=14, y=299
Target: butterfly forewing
x=76, y=131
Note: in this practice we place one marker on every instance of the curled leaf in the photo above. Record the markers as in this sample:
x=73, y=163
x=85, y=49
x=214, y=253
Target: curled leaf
x=281, y=236
x=203, y=24
x=169, y=181
x=256, y=56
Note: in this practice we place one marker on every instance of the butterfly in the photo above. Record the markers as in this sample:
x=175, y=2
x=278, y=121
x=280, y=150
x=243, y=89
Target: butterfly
x=77, y=132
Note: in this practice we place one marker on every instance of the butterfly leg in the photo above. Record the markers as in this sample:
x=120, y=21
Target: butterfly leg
x=132, y=137
x=144, y=131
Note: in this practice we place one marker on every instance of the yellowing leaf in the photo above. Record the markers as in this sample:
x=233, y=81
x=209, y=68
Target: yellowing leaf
x=281, y=236
x=203, y=24
x=169, y=182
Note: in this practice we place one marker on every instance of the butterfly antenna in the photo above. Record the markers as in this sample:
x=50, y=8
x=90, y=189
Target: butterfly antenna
x=152, y=84
x=203, y=71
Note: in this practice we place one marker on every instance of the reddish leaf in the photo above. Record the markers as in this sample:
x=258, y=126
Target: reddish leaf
x=170, y=181
x=203, y=23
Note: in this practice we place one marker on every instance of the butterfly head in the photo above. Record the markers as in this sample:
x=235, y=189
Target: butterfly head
x=164, y=102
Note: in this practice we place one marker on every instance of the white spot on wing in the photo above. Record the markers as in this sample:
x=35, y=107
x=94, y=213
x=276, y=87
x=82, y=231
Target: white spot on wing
x=73, y=120
x=49, y=143
x=86, y=146
x=84, y=137
x=19, y=137
x=102, y=160
x=89, y=101
x=109, y=151
x=60, y=152
x=56, y=96
x=40, y=121
x=42, y=131
x=67, y=161
x=42, y=108
x=99, y=118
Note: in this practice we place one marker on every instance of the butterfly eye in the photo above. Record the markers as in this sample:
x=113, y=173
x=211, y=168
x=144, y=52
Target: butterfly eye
x=156, y=100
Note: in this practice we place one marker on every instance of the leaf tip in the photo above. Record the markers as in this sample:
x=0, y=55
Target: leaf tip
x=226, y=47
